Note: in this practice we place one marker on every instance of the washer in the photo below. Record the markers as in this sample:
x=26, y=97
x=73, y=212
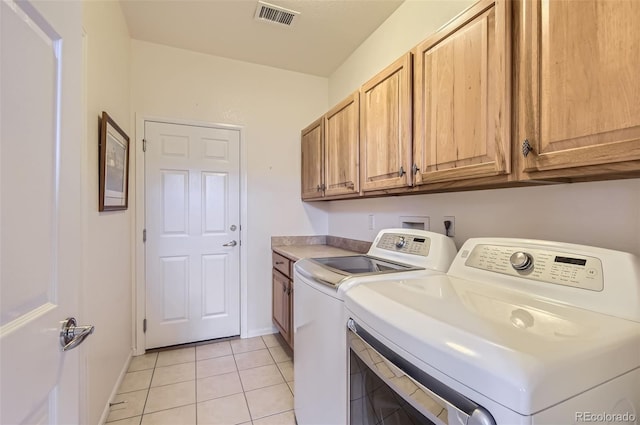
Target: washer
x=517, y=332
x=319, y=317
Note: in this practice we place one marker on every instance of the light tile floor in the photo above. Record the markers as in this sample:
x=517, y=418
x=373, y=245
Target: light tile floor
x=241, y=381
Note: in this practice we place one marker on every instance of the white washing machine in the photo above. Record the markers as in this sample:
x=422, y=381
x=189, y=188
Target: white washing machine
x=319, y=318
x=517, y=332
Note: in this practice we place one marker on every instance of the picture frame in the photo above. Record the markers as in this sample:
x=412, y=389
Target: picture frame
x=114, y=166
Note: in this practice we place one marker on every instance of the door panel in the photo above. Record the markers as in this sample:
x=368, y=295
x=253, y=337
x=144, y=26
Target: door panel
x=214, y=267
x=214, y=188
x=192, y=190
x=463, y=97
x=312, y=152
x=40, y=240
x=175, y=289
x=385, y=127
x=341, y=150
x=175, y=196
x=582, y=108
x=279, y=310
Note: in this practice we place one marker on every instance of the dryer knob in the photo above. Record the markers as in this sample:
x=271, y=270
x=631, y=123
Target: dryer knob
x=401, y=242
x=521, y=261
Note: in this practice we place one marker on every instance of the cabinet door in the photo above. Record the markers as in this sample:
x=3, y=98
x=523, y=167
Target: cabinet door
x=341, y=155
x=579, y=88
x=312, y=160
x=280, y=303
x=385, y=128
x=290, y=313
x=462, y=97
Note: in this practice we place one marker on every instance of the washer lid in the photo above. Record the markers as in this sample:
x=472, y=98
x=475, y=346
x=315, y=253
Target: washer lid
x=332, y=271
x=524, y=353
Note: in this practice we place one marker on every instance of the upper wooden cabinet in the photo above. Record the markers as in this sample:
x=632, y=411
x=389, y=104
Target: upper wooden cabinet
x=462, y=97
x=385, y=128
x=578, y=87
x=341, y=156
x=571, y=76
x=312, y=160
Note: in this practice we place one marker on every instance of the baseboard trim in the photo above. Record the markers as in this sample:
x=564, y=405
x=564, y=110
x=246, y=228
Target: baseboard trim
x=259, y=332
x=123, y=372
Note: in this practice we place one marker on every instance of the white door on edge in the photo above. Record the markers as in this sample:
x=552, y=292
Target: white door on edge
x=40, y=241
x=192, y=191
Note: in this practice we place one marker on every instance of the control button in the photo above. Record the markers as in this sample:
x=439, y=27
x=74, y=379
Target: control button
x=592, y=272
x=521, y=261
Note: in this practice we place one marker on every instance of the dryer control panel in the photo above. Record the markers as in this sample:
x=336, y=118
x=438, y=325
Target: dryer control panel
x=547, y=266
x=406, y=243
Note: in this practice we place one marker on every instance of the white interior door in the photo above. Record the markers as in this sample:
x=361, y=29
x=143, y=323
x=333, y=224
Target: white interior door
x=40, y=241
x=192, y=185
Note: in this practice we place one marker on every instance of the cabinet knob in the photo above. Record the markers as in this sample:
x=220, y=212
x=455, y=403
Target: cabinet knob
x=415, y=169
x=401, y=172
x=318, y=188
x=526, y=148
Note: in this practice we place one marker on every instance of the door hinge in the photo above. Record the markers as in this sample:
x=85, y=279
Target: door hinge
x=144, y=235
x=144, y=145
x=144, y=325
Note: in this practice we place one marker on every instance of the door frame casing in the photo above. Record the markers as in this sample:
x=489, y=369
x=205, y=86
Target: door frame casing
x=139, y=269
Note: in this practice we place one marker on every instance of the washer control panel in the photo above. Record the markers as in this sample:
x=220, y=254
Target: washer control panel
x=407, y=244
x=547, y=266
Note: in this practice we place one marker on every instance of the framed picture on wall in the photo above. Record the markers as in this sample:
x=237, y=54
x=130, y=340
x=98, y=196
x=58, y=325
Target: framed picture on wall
x=114, y=165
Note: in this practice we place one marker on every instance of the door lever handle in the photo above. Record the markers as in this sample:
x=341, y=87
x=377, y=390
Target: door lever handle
x=232, y=243
x=72, y=335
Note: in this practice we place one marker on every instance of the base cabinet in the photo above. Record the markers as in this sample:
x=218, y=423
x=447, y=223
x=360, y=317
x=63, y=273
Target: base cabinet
x=282, y=297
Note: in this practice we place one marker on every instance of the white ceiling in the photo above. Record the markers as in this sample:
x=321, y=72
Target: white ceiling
x=325, y=33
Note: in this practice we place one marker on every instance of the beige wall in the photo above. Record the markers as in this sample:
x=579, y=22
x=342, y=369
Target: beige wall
x=411, y=23
x=605, y=214
x=272, y=106
x=107, y=270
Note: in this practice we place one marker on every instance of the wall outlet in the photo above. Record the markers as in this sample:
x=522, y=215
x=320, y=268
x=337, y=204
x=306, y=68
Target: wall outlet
x=452, y=226
x=372, y=221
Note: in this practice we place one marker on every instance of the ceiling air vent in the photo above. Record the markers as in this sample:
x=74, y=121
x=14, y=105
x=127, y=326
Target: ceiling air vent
x=275, y=14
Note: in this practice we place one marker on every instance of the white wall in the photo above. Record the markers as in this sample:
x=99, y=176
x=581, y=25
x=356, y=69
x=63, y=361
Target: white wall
x=411, y=23
x=107, y=268
x=605, y=214
x=273, y=106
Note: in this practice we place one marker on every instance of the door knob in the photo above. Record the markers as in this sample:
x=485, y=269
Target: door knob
x=232, y=243
x=72, y=335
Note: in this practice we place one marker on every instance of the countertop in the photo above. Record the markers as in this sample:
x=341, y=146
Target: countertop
x=297, y=247
x=296, y=252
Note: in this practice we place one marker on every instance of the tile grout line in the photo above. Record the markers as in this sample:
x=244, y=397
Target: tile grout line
x=244, y=393
x=148, y=389
x=196, y=376
x=160, y=386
